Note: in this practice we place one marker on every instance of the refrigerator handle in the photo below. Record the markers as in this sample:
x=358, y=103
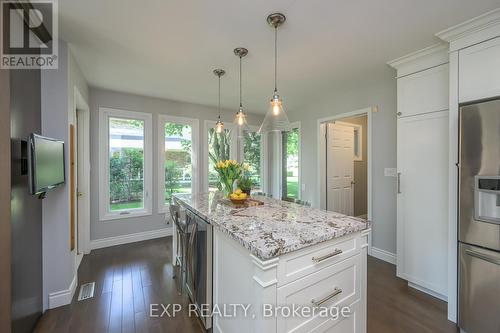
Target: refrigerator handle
x=483, y=257
x=399, y=182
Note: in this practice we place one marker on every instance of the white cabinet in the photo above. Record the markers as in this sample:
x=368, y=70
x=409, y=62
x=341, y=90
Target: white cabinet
x=479, y=71
x=422, y=163
x=423, y=92
x=422, y=201
x=328, y=276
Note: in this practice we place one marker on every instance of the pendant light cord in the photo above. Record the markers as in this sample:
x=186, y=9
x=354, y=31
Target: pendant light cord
x=275, y=59
x=218, y=105
x=241, y=104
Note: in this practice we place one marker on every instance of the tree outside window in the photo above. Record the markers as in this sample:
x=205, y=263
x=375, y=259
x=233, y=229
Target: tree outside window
x=290, y=163
x=178, y=163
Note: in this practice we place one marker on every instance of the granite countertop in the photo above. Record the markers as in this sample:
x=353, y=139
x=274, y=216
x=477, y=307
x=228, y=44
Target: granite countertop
x=272, y=229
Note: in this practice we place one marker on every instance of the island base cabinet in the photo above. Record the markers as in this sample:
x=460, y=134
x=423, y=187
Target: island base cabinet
x=262, y=286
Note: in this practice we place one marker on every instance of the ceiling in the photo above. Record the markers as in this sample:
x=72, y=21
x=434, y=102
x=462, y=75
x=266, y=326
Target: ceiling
x=168, y=49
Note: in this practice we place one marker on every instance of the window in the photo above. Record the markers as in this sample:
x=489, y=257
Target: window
x=177, y=146
x=220, y=148
x=125, y=164
x=358, y=142
x=252, y=155
x=291, y=164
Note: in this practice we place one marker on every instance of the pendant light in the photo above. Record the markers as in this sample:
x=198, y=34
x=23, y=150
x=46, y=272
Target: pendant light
x=276, y=118
x=219, y=125
x=240, y=119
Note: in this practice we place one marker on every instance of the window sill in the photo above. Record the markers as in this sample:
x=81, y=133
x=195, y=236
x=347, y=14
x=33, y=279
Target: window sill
x=129, y=214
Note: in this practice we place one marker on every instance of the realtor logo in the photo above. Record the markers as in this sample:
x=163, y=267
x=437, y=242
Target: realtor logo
x=29, y=34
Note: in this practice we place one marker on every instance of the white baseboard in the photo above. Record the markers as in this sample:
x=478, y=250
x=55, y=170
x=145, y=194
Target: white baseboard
x=131, y=238
x=63, y=297
x=428, y=291
x=383, y=255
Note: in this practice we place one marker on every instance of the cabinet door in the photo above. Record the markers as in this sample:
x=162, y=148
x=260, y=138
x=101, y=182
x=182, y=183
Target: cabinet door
x=422, y=201
x=479, y=71
x=423, y=92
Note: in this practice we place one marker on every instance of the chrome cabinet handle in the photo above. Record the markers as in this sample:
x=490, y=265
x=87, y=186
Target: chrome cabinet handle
x=399, y=182
x=483, y=257
x=336, y=291
x=326, y=256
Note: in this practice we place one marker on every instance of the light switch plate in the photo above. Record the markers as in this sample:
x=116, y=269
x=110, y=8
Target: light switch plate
x=390, y=172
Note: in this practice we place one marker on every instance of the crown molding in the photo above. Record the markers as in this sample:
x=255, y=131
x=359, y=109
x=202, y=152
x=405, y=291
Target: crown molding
x=428, y=57
x=473, y=31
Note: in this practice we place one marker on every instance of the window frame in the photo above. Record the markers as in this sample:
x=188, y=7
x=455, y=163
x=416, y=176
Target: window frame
x=294, y=125
x=194, y=123
x=105, y=214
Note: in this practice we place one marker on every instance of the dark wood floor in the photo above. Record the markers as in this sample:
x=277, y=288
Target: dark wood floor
x=130, y=277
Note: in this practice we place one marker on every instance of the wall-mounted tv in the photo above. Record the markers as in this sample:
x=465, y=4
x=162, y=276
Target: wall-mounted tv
x=46, y=163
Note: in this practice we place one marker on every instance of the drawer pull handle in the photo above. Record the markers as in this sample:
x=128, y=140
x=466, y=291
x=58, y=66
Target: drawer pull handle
x=326, y=256
x=336, y=291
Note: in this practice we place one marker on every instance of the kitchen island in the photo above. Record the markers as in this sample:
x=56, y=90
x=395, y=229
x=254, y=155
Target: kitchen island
x=279, y=256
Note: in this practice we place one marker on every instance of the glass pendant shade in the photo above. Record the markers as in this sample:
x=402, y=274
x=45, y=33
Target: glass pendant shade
x=241, y=119
x=276, y=119
x=219, y=126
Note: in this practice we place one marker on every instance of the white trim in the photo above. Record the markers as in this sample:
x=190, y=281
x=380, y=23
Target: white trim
x=368, y=111
x=233, y=153
x=130, y=238
x=195, y=143
x=453, y=191
x=427, y=291
x=63, y=297
x=473, y=31
x=383, y=255
x=104, y=115
x=428, y=57
x=81, y=108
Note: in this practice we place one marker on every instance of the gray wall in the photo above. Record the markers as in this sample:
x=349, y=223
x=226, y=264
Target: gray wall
x=5, y=229
x=360, y=168
x=373, y=89
x=26, y=209
x=106, y=98
x=58, y=88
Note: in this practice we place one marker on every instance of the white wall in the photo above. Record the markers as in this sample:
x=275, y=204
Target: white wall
x=57, y=102
x=106, y=98
x=373, y=89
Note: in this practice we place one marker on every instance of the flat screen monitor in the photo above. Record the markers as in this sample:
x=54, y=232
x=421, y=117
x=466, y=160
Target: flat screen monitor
x=46, y=161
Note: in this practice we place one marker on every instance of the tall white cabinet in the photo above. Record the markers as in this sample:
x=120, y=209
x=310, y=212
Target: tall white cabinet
x=422, y=163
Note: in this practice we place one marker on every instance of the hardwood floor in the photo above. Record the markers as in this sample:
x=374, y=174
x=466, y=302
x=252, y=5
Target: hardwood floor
x=393, y=307
x=130, y=277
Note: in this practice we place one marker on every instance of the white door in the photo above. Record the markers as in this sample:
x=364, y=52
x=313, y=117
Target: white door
x=340, y=168
x=422, y=200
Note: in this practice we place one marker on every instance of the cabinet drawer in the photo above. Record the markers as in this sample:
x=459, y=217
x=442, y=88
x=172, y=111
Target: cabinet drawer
x=310, y=260
x=343, y=279
x=423, y=92
x=479, y=71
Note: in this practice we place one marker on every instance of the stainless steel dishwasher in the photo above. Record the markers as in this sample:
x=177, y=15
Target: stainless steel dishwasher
x=199, y=265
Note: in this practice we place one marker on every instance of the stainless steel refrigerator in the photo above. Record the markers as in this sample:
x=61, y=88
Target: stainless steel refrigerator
x=479, y=218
